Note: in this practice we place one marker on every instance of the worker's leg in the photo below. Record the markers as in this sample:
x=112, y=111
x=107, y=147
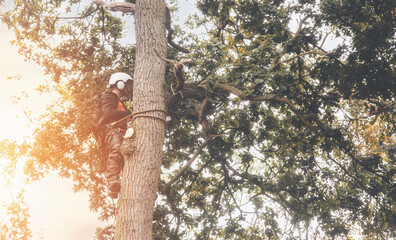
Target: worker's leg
x=115, y=160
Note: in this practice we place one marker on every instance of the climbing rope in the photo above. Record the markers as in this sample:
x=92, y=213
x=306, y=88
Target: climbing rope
x=138, y=114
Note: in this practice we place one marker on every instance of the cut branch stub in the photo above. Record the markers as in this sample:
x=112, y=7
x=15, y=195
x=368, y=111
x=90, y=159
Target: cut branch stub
x=178, y=71
x=179, y=74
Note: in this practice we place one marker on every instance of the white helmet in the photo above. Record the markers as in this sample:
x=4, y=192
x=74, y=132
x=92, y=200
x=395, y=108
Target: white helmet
x=120, y=79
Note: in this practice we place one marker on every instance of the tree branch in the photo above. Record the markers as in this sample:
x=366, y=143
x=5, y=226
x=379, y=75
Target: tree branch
x=192, y=159
x=257, y=180
x=274, y=64
x=191, y=91
x=276, y=61
x=86, y=14
x=302, y=21
x=124, y=7
x=271, y=97
x=170, y=33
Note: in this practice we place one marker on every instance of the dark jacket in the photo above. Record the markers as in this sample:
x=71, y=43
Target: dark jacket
x=106, y=112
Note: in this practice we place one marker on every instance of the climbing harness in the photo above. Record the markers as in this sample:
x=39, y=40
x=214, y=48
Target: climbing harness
x=100, y=165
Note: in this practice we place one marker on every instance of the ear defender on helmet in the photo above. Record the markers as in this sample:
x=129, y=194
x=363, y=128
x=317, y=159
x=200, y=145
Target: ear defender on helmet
x=120, y=85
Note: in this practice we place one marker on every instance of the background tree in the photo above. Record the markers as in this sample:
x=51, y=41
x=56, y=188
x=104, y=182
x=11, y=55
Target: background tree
x=271, y=124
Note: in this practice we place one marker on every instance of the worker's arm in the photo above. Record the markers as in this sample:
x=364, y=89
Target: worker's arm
x=109, y=103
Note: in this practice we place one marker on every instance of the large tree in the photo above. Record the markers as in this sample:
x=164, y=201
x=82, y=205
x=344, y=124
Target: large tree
x=273, y=133
x=143, y=153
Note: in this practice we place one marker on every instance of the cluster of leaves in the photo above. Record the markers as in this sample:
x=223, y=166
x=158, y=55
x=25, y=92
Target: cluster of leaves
x=282, y=157
x=17, y=224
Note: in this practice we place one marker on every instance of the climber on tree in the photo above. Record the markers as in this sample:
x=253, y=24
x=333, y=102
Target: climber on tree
x=111, y=124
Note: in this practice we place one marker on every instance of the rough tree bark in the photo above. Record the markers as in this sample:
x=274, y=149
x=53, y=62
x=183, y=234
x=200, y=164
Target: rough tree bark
x=143, y=152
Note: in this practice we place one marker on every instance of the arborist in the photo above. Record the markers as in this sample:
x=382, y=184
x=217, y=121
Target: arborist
x=111, y=119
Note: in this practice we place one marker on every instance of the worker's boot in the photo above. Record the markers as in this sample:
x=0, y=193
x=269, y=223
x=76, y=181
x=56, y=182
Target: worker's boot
x=114, y=189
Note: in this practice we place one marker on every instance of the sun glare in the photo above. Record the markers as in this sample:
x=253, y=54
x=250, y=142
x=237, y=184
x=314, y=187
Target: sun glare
x=12, y=127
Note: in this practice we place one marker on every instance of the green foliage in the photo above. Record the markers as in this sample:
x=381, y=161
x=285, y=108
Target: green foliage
x=295, y=139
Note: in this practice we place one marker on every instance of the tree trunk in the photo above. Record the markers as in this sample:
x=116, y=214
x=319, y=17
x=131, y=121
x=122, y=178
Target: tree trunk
x=143, y=152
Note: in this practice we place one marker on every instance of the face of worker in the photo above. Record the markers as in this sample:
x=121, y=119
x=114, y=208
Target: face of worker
x=128, y=90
